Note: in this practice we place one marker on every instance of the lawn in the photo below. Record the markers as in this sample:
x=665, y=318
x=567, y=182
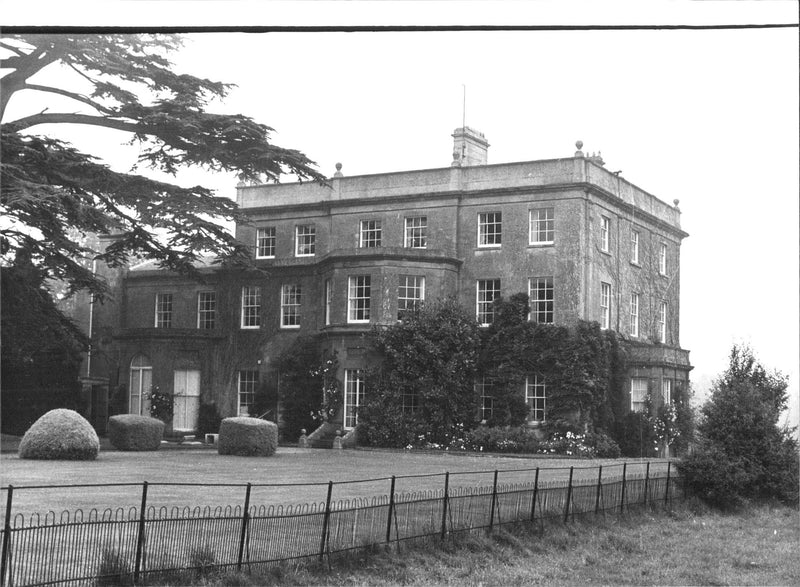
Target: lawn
x=688, y=546
x=309, y=469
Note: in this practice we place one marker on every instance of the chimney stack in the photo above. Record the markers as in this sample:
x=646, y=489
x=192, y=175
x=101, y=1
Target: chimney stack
x=470, y=147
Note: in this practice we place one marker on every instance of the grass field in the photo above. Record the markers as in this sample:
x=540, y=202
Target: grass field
x=288, y=466
x=688, y=546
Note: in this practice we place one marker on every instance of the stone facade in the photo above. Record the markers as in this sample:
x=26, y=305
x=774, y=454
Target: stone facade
x=341, y=257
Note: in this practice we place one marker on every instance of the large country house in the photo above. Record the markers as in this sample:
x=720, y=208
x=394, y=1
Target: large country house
x=583, y=242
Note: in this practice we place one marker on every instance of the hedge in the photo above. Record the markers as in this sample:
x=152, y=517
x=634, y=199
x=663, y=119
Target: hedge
x=247, y=437
x=132, y=432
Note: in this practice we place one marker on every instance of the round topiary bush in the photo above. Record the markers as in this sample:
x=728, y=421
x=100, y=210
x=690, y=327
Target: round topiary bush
x=247, y=437
x=133, y=432
x=60, y=434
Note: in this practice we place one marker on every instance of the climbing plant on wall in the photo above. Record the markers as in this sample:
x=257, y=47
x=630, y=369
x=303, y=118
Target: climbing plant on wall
x=582, y=366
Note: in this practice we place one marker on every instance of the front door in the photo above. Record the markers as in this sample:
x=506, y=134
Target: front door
x=187, y=401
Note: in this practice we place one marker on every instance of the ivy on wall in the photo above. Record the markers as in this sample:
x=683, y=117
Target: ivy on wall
x=423, y=392
x=308, y=390
x=583, y=367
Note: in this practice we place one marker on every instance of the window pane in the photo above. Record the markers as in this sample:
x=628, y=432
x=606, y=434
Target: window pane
x=290, y=306
x=488, y=290
x=535, y=398
x=490, y=229
x=359, y=297
x=305, y=240
x=371, y=234
x=410, y=294
x=540, y=293
x=416, y=233
x=542, y=226
x=265, y=242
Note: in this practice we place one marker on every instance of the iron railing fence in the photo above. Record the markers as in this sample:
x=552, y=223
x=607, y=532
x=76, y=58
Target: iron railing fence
x=148, y=541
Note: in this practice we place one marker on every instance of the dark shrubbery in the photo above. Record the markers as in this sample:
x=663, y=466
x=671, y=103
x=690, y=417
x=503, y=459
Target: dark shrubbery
x=518, y=439
x=635, y=436
x=130, y=432
x=208, y=420
x=309, y=391
x=247, y=437
x=604, y=446
x=425, y=385
x=60, y=435
x=743, y=454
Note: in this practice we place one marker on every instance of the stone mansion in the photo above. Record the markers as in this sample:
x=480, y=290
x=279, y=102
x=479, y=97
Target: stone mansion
x=339, y=258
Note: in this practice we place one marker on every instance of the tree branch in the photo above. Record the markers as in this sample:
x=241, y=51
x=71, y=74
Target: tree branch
x=73, y=118
x=72, y=95
x=12, y=48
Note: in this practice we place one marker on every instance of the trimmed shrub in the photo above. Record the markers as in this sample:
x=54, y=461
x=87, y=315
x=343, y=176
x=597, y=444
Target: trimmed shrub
x=60, y=435
x=133, y=432
x=247, y=437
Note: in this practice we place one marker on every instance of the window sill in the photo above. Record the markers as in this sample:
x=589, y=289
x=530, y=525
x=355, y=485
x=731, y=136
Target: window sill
x=290, y=327
x=263, y=258
x=542, y=244
x=635, y=264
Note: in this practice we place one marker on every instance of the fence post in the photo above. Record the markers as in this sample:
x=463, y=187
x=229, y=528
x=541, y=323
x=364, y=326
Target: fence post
x=569, y=495
x=646, y=483
x=535, y=491
x=494, y=501
x=444, y=503
x=391, y=511
x=140, y=539
x=599, y=489
x=622, y=499
x=325, y=521
x=6, y=537
x=245, y=517
x=666, y=491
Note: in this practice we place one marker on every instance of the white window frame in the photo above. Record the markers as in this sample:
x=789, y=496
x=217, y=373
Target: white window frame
x=490, y=230
x=485, y=390
x=305, y=239
x=328, y=299
x=359, y=299
x=353, y=396
x=605, y=234
x=265, y=243
x=141, y=380
x=251, y=307
x=206, y=310
x=666, y=391
x=163, y=310
x=605, y=305
x=662, y=259
x=634, y=325
x=416, y=232
x=484, y=306
x=246, y=390
x=410, y=293
x=370, y=234
x=291, y=298
x=542, y=309
x=536, y=398
x=662, y=323
x=639, y=389
x=635, y=247
x=541, y=225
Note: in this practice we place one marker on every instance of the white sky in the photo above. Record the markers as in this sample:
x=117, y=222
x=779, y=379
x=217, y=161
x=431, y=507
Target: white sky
x=707, y=117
